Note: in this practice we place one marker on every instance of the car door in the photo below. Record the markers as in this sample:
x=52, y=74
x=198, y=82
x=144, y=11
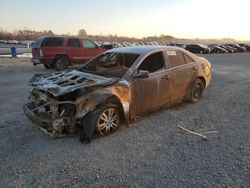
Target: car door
x=152, y=92
x=183, y=71
x=73, y=50
x=89, y=49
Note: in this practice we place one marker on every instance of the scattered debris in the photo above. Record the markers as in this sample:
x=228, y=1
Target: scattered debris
x=210, y=132
x=198, y=134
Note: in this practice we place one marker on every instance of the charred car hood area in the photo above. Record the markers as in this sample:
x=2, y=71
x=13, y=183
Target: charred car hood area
x=60, y=83
x=59, y=101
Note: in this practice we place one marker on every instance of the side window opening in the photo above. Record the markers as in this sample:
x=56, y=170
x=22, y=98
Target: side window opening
x=153, y=63
x=73, y=42
x=175, y=59
x=53, y=42
x=86, y=43
x=187, y=58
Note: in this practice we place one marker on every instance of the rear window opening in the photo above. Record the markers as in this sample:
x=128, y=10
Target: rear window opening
x=37, y=43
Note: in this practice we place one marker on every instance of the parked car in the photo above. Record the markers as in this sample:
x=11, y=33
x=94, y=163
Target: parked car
x=107, y=46
x=217, y=49
x=197, y=48
x=60, y=51
x=3, y=41
x=247, y=46
x=237, y=47
x=228, y=48
x=181, y=45
x=122, y=83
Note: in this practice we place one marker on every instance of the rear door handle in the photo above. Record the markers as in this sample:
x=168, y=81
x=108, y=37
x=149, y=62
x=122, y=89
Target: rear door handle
x=166, y=77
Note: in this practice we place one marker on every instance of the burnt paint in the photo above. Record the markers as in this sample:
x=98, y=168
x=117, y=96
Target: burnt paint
x=135, y=95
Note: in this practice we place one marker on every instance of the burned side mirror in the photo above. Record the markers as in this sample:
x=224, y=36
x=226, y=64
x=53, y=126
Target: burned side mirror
x=142, y=74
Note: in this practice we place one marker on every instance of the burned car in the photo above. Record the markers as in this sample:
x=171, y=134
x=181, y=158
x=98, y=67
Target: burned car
x=119, y=85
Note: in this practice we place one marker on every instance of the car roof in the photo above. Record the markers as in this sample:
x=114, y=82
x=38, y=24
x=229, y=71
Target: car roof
x=142, y=49
x=62, y=36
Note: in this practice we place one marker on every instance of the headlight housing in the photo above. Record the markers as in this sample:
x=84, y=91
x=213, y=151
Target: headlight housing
x=66, y=110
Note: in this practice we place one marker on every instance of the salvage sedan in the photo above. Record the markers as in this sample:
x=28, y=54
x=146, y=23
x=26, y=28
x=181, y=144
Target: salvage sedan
x=119, y=85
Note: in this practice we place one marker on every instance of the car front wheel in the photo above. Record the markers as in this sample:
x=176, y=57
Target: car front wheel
x=105, y=119
x=196, y=91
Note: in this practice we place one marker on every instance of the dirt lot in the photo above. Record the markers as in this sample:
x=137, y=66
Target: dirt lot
x=152, y=153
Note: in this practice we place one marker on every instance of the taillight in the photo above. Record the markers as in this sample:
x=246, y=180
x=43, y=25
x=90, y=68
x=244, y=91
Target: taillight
x=41, y=53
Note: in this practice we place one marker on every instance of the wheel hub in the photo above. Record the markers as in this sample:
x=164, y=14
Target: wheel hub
x=197, y=91
x=108, y=121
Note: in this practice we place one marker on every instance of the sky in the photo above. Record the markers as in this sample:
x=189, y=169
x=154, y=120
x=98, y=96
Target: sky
x=132, y=18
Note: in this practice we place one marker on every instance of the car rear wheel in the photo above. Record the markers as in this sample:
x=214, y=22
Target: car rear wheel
x=196, y=91
x=201, y=52
x=61, y=63
x=105, y=120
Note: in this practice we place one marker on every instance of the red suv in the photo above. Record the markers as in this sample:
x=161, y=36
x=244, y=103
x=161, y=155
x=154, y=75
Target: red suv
x=59, y=52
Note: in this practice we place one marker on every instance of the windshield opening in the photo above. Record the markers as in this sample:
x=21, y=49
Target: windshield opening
x=111, y=64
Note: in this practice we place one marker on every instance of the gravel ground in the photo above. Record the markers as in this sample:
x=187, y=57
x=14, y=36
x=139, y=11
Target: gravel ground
x=152, y=153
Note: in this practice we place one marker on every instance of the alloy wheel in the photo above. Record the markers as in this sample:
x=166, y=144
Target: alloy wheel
x=108, y=121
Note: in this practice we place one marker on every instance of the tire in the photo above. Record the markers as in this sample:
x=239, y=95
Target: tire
x=46, y=66
x=196, y=92
x=104, y=120
x=201, y=52
x=61, y=63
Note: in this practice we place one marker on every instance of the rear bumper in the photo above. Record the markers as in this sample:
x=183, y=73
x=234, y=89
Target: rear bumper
x=37, y=61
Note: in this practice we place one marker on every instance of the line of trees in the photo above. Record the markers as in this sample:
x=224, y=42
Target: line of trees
x=161, y=39
x=23, y=34
x=28, y=34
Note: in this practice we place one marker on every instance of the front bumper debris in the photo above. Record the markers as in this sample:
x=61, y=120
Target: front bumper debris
x=45, y=122
x=58, y=118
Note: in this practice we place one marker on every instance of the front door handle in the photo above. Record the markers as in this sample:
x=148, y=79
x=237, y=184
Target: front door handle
x=166, y=77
